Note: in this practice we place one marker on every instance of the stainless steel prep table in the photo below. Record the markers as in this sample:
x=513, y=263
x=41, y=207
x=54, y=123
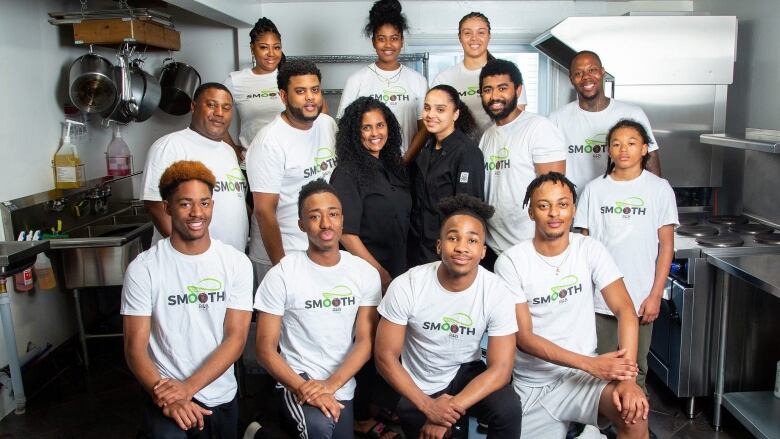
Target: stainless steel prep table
x=759, y=412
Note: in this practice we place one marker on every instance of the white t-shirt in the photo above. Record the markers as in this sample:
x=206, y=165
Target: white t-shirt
x=256, y=98
x=404, y=96
x=510, y=153
x=561, y=306
x=586, y=137
x=444, y=329
x=466, y=82
x=187, y=297
x=318, y=306
x=229, y=222
x=625, y=216
x=280, y=161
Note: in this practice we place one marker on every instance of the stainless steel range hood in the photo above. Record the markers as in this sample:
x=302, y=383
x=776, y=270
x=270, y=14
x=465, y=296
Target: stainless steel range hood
x=677, y=68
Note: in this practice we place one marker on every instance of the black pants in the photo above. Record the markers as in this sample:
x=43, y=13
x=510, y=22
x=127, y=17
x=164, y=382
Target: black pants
x=221, y=424
x=501, y=410
x=372, y=389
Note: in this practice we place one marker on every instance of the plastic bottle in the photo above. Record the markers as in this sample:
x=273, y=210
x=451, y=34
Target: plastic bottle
x=23, y=281
x=119, y=159
x=44, y=272
x=68, y=170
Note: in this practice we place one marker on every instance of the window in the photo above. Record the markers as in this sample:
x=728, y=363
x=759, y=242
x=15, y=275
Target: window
x=526, y=58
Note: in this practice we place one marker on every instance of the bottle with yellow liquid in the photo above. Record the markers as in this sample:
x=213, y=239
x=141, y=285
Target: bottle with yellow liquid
x=68, y=170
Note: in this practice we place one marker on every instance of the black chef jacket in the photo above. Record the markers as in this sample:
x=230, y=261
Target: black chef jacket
x=377, y=211
x=458, y=167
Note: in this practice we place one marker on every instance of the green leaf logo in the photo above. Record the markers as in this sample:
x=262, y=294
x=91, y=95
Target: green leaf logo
x=461, y=319
x=208, y=284
x=568, y=281
x=339, y=291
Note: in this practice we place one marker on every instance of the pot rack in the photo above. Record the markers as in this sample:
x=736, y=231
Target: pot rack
x=141, y=26
x=421, y=57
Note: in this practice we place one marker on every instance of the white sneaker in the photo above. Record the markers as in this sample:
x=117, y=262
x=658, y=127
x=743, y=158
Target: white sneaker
x=591, y=432
x=253, y=428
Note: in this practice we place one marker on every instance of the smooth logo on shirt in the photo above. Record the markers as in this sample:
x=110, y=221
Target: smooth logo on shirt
x=626, y=208
x=458, y=324
x=498, y=161
x=271, y=93
x=335, y=299
x=471, y=90
x=207, y=290
x=595, y=145
x=235, y=183
x=323, y=161
x=392, y=95
x=568, y=286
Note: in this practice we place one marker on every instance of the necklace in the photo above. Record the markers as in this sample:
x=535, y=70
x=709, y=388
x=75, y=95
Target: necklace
x=385, y=79
x=556, y=267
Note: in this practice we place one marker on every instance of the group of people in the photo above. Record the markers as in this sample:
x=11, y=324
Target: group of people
x=385, y=249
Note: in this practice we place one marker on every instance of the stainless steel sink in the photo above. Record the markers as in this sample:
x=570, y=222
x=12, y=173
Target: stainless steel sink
x=97, y=255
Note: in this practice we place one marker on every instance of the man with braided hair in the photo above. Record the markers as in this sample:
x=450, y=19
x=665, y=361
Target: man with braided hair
x=186, y=304
x=433, y=317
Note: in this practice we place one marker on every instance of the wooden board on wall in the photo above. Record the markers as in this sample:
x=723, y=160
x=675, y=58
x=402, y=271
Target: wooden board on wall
x=118, y=31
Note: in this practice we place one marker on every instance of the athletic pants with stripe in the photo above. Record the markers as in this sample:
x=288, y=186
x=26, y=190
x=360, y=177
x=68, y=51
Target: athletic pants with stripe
x=308, y=422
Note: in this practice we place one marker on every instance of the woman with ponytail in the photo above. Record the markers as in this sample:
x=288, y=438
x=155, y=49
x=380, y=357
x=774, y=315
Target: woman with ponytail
x=449, y=163
x=474, y=36
x=397, y=86
x=254, y=89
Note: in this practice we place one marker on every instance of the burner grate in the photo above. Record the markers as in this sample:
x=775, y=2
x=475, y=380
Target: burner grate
x=768, y=238
x=721, y=241
x=750, y=229
x=728, y=220
x=697, y=231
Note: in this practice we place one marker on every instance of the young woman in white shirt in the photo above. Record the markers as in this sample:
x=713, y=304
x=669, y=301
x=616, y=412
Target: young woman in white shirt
x=397, y=86
x=254, y=89
x=633, y=213
x=474, y=37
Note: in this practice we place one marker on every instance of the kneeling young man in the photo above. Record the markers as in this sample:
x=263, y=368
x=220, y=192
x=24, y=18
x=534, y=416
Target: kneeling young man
x=434, y=317
x=311, y=305
x=187, y=303
x=557, y=373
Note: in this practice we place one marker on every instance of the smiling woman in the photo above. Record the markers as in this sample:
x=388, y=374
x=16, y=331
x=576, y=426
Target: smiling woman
x=387, y=80
x=254, y=89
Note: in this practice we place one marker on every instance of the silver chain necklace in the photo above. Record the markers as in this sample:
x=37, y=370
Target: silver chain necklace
x=384, y=78
x=556, y=267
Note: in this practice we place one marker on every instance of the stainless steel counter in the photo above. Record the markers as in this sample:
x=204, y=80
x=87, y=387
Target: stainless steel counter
x=757, y=411
x=763, y=271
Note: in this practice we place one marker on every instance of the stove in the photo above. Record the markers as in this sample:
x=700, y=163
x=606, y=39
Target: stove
x=681, y=347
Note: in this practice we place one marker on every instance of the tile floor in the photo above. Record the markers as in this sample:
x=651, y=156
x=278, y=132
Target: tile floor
x=64, y=401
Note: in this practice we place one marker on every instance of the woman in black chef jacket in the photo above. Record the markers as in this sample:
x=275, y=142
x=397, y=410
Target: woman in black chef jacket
x=373, y=187
x=450, y=163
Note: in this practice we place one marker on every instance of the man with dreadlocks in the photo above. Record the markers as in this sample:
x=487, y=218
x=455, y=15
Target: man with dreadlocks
x=434, y=317
x=554, y=277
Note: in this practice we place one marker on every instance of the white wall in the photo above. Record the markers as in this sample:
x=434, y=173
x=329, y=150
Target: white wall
x=33, y=84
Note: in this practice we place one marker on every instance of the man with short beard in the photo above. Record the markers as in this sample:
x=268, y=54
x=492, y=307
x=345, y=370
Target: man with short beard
x=212, y=111
x=295, y=148
x=518, y=146
x=586, y=121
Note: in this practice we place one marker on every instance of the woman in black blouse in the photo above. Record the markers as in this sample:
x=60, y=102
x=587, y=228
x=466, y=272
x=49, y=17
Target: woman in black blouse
x=373, y=187
x=450, y=163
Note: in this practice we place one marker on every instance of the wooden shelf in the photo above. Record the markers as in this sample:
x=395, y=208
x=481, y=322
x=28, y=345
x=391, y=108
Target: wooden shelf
x=124, y=30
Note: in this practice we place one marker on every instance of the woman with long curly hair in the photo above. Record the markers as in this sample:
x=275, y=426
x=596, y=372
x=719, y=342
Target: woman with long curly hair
x=373, y=187
x=399, y=87
x=450, y=163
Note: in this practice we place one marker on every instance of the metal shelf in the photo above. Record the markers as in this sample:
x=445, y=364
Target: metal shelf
x=754, y=143
x=757, y=411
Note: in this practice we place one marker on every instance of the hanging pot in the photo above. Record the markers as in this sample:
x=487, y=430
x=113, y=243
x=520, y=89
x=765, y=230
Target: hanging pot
x=178, y=82
x=92, y=88
x=121, y=111
x=146, y=92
